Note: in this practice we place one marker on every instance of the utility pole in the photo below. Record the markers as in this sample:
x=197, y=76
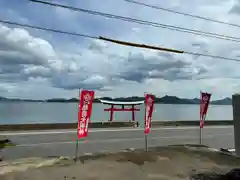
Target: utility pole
x=236, y=122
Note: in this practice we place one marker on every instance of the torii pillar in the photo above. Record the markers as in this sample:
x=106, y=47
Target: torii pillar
x=236, y=122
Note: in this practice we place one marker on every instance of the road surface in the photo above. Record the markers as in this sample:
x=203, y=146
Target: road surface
x=62, y=142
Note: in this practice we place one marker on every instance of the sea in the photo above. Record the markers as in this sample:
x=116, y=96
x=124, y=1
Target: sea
x=41, y=112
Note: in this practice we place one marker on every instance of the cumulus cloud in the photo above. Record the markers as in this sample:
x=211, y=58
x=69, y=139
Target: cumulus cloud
x=23, y=55
x=235, y=7
x=139, y=67
x=35, y=64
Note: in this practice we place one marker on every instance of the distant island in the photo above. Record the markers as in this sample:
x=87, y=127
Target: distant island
x=159, y=100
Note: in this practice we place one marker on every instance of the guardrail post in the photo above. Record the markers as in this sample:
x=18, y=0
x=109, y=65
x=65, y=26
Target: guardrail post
x=236, y=122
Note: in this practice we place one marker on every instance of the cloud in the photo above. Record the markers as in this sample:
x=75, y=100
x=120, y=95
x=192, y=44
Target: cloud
x=139, y=67
x=23, y=55
x=235, y=7
x=40, y=65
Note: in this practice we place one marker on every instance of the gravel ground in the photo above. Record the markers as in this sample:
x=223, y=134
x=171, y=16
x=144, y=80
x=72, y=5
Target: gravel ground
x=166, y=163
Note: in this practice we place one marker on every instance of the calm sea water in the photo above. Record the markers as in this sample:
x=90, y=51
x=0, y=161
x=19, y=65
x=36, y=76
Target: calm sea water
x=26, y=112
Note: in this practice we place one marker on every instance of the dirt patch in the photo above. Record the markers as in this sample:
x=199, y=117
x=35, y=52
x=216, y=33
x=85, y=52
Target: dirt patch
x=135, y=157
x=233, y=174
x=173, y=162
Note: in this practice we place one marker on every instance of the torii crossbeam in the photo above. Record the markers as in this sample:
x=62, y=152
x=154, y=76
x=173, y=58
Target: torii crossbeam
x=123, y=108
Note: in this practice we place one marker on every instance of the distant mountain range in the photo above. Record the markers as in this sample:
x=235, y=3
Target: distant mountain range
x=159, y=100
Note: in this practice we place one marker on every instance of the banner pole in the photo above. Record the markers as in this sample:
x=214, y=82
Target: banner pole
x=76, y=150
x=76, y=153
x=204, y=118
x=200, y=135
x=201, y=129
x=146, y=142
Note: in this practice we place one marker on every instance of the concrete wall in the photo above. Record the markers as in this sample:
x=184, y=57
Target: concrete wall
x=236, y=121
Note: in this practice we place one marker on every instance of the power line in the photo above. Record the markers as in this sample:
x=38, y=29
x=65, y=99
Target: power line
x=139, y=21
x=211, y=56
x=47, y=29
x=125, y=43
x=182, y=13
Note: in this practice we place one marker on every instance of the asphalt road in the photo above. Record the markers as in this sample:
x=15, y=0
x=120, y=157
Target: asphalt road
x=63, y=142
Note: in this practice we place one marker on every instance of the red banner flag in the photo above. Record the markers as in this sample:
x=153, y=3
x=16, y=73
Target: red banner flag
x=204, y=102
x=84, y=112
x=149, y=105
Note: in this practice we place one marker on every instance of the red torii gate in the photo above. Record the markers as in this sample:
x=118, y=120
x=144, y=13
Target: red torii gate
x=122, y=104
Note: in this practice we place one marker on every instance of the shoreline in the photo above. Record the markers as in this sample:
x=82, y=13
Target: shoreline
x=105, y=124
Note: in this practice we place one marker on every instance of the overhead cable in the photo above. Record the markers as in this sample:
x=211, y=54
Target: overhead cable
x=125, y=43
x=143, y=22
x=181, y=13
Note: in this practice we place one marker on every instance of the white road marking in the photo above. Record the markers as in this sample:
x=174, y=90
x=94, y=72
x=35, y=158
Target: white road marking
x=119, y=140
x=105, y=130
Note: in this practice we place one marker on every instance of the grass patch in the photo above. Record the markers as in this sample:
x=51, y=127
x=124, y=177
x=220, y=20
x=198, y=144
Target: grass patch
x=4, y=145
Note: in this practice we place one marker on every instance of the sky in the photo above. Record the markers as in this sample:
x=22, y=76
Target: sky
x=38, y=64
